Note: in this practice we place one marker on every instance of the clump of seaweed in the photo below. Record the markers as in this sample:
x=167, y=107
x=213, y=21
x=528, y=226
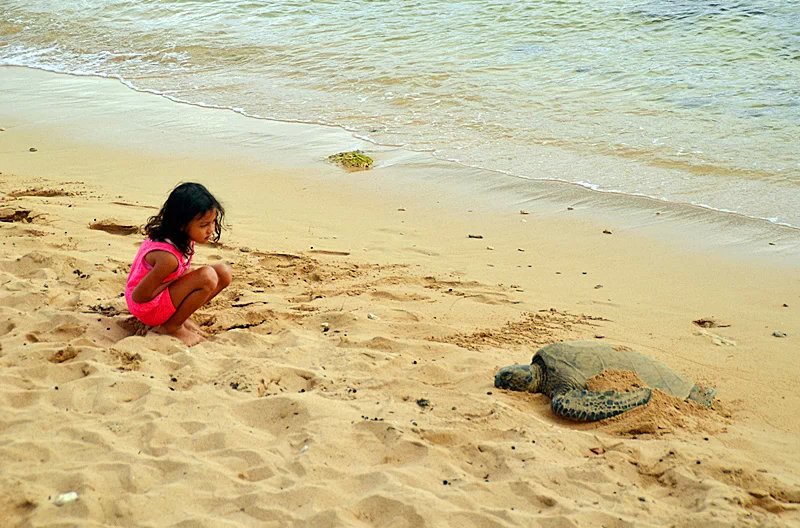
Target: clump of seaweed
x=352, y=160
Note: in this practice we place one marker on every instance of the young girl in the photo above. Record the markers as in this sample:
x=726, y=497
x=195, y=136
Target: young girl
x=162, y=291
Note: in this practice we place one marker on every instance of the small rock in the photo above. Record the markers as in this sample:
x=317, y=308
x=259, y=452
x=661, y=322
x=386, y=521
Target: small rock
x=474, y=236
x=606, y=232
x=778, y=333
x=709, y=322
x=372, y=316
x=521, y=250
x=785, y=305
x=523, y=212
x=66, y=498
x=597, y=450
x=352, y=160
x=401, y=208
x=325, y=327
x=570, y=208
x=599, y=336
x=598, y=286
x=491, y=248
x=422, y=402
x=32, y=149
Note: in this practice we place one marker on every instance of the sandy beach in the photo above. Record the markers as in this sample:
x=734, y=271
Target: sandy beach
x=348, y=379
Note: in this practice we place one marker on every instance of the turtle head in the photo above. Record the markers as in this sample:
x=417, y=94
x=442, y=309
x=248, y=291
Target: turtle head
x=519, y=378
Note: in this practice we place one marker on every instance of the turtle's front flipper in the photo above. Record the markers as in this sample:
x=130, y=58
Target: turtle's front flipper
x=588, y=406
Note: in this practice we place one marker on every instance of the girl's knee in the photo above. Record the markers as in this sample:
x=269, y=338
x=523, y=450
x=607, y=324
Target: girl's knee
x=207, y=277
x=224, y=274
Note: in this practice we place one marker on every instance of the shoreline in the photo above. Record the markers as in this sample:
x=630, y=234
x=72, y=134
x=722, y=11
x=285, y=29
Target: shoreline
x=355, y=296
x=555, y=189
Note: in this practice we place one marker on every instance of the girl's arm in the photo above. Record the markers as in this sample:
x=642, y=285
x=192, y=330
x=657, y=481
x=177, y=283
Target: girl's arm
x=151, y=285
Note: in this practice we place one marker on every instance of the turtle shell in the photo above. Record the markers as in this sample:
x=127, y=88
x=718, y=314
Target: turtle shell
x=578, y=361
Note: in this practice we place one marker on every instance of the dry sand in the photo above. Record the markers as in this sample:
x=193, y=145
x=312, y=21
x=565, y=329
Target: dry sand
x=348, y=379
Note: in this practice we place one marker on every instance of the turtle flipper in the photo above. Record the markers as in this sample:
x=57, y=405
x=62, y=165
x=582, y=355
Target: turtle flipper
x=588, y=406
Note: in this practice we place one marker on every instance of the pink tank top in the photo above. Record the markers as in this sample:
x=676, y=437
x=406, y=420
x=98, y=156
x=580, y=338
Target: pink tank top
x=140, y=267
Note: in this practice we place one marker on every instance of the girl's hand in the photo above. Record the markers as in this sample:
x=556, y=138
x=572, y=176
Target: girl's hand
x=163, y=264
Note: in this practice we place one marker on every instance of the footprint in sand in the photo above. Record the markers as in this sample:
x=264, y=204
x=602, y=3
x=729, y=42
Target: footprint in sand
x=7, y=327
x=10, y=214
x=114, y=227
x=276, y=415
x=44, y=265
x=256, y=474
x=384, y=511
x=384, y=444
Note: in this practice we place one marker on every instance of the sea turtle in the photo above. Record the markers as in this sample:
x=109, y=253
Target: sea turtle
x=560, y=371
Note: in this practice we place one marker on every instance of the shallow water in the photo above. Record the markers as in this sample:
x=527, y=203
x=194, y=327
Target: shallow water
x=685, y=101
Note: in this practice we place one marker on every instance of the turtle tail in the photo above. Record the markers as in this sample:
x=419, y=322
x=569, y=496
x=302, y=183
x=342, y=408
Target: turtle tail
x=588, y=406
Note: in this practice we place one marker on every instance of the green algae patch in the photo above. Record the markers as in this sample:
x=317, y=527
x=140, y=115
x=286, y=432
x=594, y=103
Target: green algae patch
x=353, y=160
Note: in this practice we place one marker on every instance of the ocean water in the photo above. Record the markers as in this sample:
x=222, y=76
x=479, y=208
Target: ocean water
x=685, y=101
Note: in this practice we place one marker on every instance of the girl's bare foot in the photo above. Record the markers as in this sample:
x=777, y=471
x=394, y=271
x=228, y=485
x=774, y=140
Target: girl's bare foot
x=194, y=327
x=183, y=333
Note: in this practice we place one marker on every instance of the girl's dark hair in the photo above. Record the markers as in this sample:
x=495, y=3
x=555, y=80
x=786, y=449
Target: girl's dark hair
x=186, y=202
